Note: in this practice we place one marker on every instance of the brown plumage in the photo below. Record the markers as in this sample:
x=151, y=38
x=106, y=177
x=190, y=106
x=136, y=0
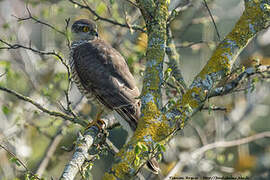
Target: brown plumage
x=100, y=71
x=104, y=72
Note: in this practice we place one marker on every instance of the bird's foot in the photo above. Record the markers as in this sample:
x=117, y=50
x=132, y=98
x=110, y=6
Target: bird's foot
x=98, y=122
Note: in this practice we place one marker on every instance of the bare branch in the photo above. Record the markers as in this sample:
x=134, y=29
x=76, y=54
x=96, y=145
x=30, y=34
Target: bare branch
x=30, y=17
x=176, y=11
x=1, y=75
x=224, y=144
x=98, y=17
x=50, y=53
x=233, y=84
x=214, y=108
x=197, y=153
x=13, y=155
x=50, y=149
x=189, y=44
x=212, y=18
x=84, y=143
x=19, y=162
x=173, y=63
x=43, y=109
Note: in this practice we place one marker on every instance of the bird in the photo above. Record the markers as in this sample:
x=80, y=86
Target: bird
x=100, y=71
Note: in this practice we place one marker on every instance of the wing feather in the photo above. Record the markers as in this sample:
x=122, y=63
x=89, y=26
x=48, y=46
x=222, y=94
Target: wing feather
x=103, y=71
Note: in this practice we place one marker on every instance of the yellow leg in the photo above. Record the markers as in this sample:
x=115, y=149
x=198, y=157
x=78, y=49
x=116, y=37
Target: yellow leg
x=98, y=122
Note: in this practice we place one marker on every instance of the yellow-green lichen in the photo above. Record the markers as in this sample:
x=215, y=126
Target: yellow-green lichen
x=189, y=99
x=152, y=124
x=121, y=169
x=252, y=20
x=108, y=176
x=220, y=61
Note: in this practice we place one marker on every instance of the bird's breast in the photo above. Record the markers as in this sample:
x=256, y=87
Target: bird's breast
x=75, y=77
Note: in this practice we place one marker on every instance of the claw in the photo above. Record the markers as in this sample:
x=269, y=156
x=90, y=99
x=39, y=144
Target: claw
x=98, y=122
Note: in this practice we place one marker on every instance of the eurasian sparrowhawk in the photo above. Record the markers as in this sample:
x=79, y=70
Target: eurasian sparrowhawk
x=101, y=71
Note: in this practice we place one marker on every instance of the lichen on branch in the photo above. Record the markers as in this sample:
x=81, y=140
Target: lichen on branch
x=254, y=19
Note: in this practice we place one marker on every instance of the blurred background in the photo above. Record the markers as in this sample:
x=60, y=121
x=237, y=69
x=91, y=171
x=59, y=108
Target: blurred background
x=29, y=133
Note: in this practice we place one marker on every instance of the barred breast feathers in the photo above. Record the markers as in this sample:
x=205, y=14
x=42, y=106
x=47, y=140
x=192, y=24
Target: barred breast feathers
x=74, y=76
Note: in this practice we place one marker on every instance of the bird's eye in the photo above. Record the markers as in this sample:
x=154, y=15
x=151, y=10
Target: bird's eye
x=85, y=29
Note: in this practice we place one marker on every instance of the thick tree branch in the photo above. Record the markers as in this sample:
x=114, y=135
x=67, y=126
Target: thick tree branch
x=255, y=18
x=83, y=144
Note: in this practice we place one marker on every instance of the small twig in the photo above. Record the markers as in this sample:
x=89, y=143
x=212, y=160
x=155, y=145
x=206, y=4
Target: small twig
x=66, y=29
x=195, y=154
x=3, y=74
x=111, y=146
x=69, y=108
x=233, y=84
x=214, y=108
x=43, y=109
x=30, y=17
x=173, y=63
x=50, y=150
x=13, y=155
x=189, y=44
x=20, y=162
x=50, y=53
x=224, y=144
x=175, y=12
x=212, y=18
x=98, y=17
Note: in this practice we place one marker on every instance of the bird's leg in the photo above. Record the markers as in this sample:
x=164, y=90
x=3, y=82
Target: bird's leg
x=98, y=122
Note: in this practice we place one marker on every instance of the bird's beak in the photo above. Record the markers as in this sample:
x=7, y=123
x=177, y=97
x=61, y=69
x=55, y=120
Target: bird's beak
x=96, y=34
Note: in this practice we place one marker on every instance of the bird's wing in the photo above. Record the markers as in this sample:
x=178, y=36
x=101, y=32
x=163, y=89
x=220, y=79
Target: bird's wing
x=104, y=71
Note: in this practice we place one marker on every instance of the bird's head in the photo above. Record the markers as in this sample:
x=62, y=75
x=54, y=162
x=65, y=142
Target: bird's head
x=84, y=29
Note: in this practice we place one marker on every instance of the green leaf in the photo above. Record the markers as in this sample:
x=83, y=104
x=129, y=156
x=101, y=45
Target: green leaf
x=144, y=147
x=137, y=161
x=5, y=26
x=221, y=158
x=26, y=177
x=163, y=148
x=189, y=108
x=5, y=110
x=159, y=157
x=210, y=109
x=137, y=150
x=101, y=8
x=111, y=1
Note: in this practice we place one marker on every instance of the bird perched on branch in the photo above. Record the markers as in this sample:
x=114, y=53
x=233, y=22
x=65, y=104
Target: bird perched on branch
x=100, y=71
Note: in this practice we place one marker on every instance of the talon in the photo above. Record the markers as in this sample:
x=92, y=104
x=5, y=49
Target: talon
x=98, y=122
